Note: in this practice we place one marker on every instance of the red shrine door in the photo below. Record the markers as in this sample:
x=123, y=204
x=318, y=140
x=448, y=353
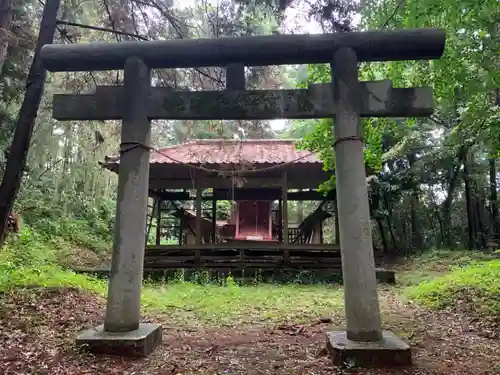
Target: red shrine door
x=253, y=221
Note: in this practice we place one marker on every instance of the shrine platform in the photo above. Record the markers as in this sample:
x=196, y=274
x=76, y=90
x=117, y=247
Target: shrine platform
x=252, y=254
x=269, y=260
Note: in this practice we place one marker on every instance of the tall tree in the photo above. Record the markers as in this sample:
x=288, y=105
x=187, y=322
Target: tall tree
x=16, y=161
x=6, y=13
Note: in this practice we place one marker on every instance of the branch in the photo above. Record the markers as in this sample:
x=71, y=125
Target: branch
x=172, y=19
x=386, y=23
x=110, y=17
x=437, y=120
x=97, y=28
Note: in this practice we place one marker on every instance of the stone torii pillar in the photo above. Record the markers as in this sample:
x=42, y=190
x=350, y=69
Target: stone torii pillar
x=363, y=343
x=122, y=333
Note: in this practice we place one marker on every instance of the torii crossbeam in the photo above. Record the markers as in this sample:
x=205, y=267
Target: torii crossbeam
x=378, y=99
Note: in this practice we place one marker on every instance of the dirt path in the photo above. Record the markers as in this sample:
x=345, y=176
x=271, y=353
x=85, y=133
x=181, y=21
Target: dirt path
x=38, y=330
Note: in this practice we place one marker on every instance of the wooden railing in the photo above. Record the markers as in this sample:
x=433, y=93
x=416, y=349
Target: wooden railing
x=228, y=231
x=255, y=255
x=295, y=236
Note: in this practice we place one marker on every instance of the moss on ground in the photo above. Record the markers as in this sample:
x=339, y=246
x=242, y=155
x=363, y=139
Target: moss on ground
x=474, y=286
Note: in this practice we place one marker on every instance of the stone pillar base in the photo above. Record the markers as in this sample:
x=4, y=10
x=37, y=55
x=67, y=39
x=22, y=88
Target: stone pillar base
x=138, y=343
x=391, y=351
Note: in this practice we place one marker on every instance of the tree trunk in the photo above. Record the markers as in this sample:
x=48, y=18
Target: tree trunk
x=479, y=217
x=469, y=201
x=382, y=234
x=16, y=162
x=478, y=204
x=416, y=233
x=5, y=24
x=416, y=228
x=452, y=184
x=494, y=197
x=389, y=220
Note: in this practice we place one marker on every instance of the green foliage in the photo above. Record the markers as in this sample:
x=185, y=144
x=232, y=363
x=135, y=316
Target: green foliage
x=419, y=162
x=76, y=218
x=475, y=285
x=26, y=250
x=32, y=260
x=464, y=78
x=318, y=136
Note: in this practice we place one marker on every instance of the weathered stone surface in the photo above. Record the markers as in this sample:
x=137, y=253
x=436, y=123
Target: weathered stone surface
x=362, y=308
x=127, y=260
x=261, y=50
x=138, y=343
x=391, y=351
x=378, y=99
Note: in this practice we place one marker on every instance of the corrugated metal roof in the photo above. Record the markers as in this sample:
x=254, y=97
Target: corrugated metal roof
x=222, y=151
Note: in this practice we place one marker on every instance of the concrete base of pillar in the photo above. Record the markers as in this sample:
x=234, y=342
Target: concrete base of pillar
x=138, y=343
x=391, y=351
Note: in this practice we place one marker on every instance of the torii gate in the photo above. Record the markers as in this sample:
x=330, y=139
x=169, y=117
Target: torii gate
x=137, y=103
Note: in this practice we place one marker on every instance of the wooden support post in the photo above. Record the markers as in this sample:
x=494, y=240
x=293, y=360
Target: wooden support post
x=214, y=219
x=181, y=230
x=284, y=188
x=158, y=203
x=198, y=238
x=321, y=234
x=280, y=220
x=17, y=156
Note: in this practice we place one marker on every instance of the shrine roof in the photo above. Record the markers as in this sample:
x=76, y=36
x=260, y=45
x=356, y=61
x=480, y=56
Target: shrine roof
x=223, y=151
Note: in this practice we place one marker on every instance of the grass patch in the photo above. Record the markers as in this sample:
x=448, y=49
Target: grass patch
x=47, y=276
x=232, y=304
x=194, y=304
x=32, y=259
x=475, y=287
x=436, y=263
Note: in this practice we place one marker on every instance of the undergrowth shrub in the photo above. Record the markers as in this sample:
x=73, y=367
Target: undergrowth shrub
x=75, y=217
x=77, y=231
x=31, y=259
x=27, y=249
x=475, y=287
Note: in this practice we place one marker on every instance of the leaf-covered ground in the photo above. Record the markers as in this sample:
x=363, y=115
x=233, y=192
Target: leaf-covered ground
x=39, y=326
